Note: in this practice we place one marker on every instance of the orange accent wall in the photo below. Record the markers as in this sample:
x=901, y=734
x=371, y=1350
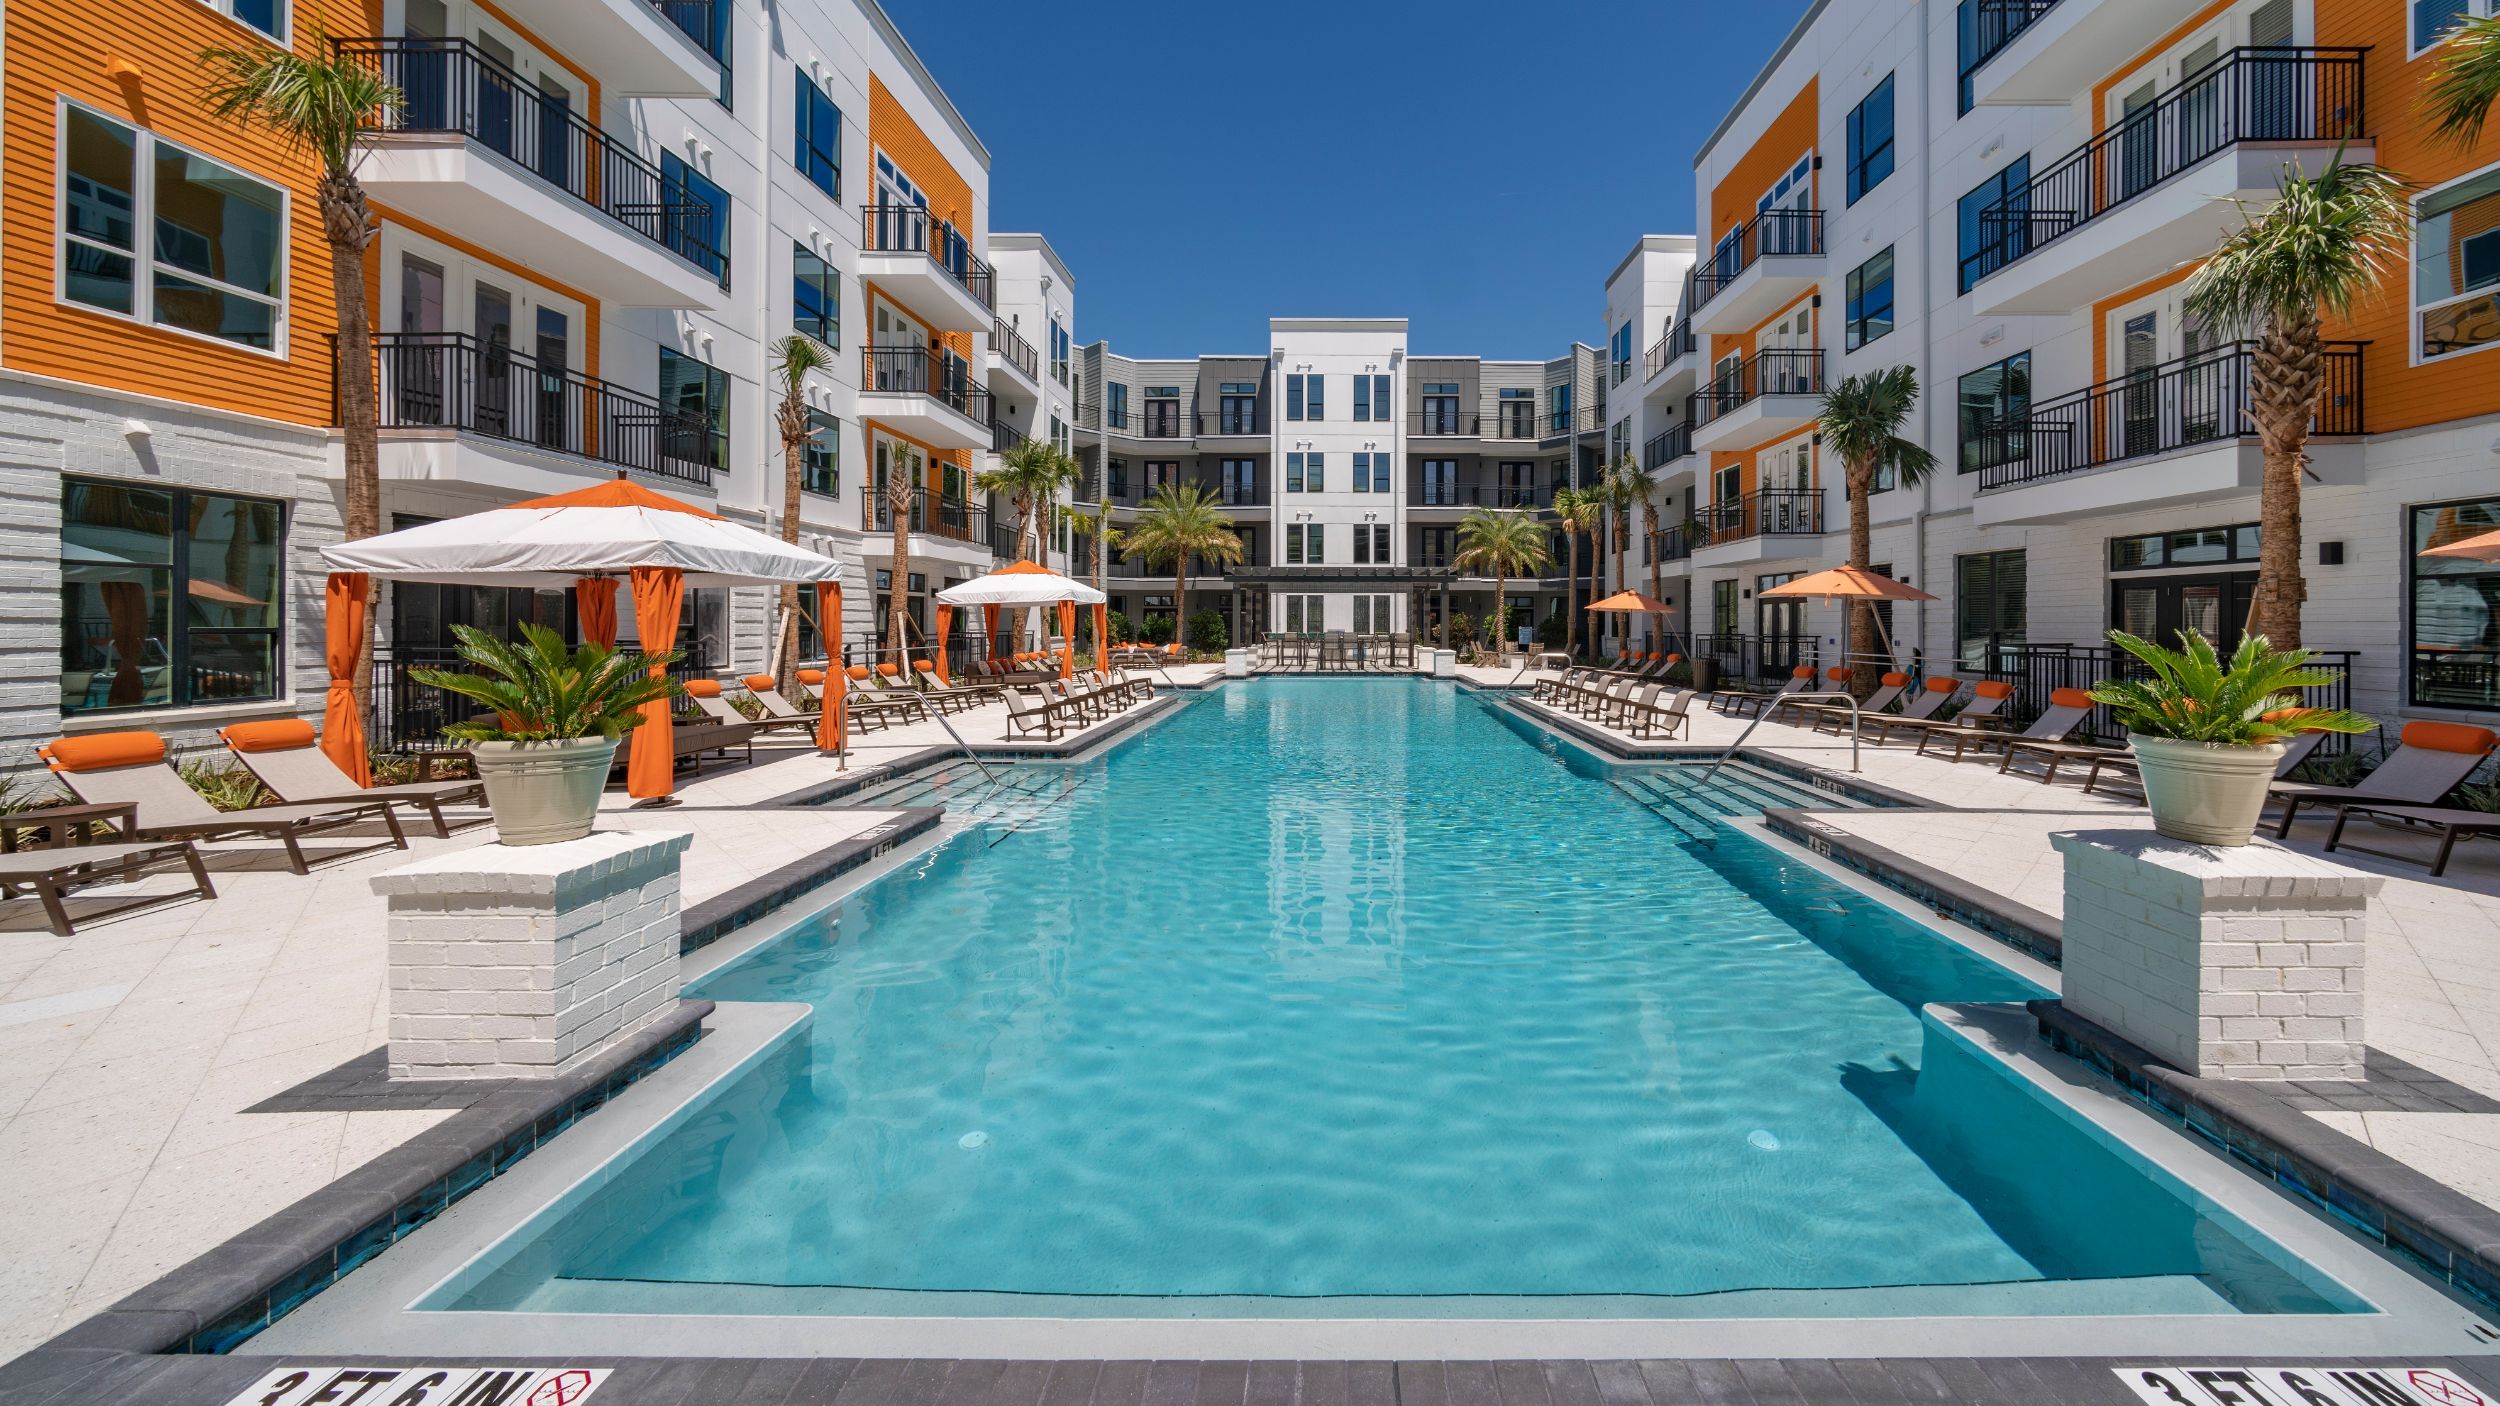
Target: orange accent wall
x=892, y=131
x=1790, y=136
x=56, y=51
x=2127, y=70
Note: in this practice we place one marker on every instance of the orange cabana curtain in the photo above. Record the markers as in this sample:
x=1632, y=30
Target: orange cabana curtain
x=594, y=599
x=832, y=722
x=1102, y=637
x=1067, y=638
x=946, y=622
x=342, y=727
x=659, y=591
x=989, y=626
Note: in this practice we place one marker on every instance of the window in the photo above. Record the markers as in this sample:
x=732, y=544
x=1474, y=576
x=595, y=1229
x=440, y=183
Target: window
x=1058, y=350
x=1870, y=140
x=816, y=296
x=1119, y=478
x=2435, y=20
x=1994, y=403
x=2197, y=546
x=1371, y=543
x=1241, y=481
x=267, y=16
x=1293, y=473
x=1440, y=483
x=1560, y=401
x=1293, y=544
x=2456, y=266
x=2452, y=643
x=1314, y=544
x=1303, y=396
x=1988, y=604
x=1059, y=434
x=1870, y=300
x=1371, y=473
x=214, y=264
x=1115, y=406
x=1381, y=404
x=1622, y=349
x=1293, y=397
x=695, y=393
x=168, y=597
x=1314, y=472
x=1163, y=412
x=1362, y=465
x=822, y=471
x=1987, y=245
x=694, y=216
x=1239, y=408
x=1362, y=397
x=819, y=148
x=1435, y=547
x=1440, y=413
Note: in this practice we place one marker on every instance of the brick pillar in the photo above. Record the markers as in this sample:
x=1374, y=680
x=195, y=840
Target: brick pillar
x=521, y=962
x=2226, y=962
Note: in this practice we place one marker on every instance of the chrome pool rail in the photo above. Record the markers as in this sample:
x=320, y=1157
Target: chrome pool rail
x=1770, y=707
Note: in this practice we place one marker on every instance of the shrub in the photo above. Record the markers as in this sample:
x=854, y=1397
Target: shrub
x=1460, y=631
x=1207, y=633
x=1117, y=623
x=227, y=788
x=1156, y=630
x=392, y=769
x=1553, y=629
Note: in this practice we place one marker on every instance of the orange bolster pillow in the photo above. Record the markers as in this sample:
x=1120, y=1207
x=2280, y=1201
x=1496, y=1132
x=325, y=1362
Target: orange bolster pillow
x=1835, y=673
x=813, y=678
x=1802, y=671
x=706, y=688
x=2449, y=737
x=1944, y=685
x=919, y=664
x=282, y=736
x=1992, y=688
x=857, y=671
x=1895, y=680
x=2070, y=698
x=889, y=670
x=98, y=751
x=1675, y=658
x=759, y=683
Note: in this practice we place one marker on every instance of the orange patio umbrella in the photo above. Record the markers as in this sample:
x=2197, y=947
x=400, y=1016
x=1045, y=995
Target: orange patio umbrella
x=1634, y=603
x=2485, y=547
x=1849, y=583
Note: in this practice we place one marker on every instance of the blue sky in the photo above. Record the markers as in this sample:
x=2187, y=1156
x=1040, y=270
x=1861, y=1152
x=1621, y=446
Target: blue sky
x=1204, y=167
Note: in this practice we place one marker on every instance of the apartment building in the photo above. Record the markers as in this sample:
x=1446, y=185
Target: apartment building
x=1346, y=463
x=2009, y=196
x=596, y=221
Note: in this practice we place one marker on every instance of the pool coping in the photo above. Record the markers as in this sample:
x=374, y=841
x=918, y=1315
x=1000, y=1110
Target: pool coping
x=1614, y=748
x=723, y=913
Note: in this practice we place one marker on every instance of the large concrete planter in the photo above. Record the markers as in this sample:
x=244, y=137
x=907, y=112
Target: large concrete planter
x=543, y=793
x=2203, y=792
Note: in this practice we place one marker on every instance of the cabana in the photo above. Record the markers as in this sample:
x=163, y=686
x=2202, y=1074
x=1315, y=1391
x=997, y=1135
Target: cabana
x=1024, y=586
x=586, y=540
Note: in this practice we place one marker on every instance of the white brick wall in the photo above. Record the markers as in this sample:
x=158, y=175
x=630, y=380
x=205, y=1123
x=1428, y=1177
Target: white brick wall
x=522, y=962
x=2235, y=963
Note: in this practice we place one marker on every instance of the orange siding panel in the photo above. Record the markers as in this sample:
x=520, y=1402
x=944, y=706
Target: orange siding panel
x=892, y=131
x=1790, y=136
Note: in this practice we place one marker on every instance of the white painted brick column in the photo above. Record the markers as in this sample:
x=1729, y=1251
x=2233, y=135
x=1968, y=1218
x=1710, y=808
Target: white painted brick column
x=521, y=962
x=2226, y=962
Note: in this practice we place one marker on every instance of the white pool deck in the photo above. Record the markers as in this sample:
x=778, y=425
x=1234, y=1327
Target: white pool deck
x=129, y=1052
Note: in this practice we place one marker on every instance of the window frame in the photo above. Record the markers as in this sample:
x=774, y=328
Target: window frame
x=1960, y=431
x=830, y=287
x=808, y=140
x=715, y=219
x=286, y=19
x=1997, y=188
x=1859, y=157
x=2415, y=49
x=178, y=589
x=713, y=376
x=1853, y=307
x=2414, y=564
x=142, y=253
x=823, y=426
x=2414, y=306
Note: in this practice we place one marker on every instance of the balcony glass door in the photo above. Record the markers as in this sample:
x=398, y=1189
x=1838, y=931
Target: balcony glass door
x=1781, y=622
x=2157, y=609
x=413, y=372
x=2139, y=141
x=2140, y=405
x=492, y=308
x=552, y=410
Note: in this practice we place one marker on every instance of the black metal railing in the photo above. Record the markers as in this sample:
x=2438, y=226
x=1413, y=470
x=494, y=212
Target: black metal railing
x=450, y=85
x=1515, y=419
x=1446, y=421
x=1232, y=420
x=1774, y=372
x=1765, y=512
x=1676, y=341
x=2456, y=676
x=409, y=717
x=1773, y=232
x=2179, y=404
x=1004, y=437
x=911, y=229
x=920, y=371
x=1238, y=495
x=1996, y=23
x=934, y=514
x=451, y=380
x=1006, y=543
x=1005, y=342
x=1667, y=446
x=2038, y=670
x=2270, y=94
x=1753, y=658
x=1672, y=543
x=1569, y=422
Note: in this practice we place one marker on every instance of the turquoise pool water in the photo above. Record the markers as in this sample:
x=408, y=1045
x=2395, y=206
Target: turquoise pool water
x=1336, y=995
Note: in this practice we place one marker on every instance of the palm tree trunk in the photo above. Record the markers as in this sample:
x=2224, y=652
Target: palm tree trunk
x=1860, y=479
x=2285, y=381
x=1571, y=583
x=898, y=594
x=785, y=663
x=348, y=226
x=1180, y=601
x=1657, y=579
x=1501, y=615
x=1623, y=539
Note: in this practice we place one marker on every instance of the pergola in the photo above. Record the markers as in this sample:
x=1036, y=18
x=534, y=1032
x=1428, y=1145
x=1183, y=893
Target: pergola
x=586, y=540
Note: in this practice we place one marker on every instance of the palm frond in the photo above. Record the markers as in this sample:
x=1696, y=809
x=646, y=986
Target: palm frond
x=2192, y=695
x=2322, y=246
x=2465, y=81
x=1501, y=543
x=1181, y=521
x=1861, y=421
x=322, y=101
x=541, y=689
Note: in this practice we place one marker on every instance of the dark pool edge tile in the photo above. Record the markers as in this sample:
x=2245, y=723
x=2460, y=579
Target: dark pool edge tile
x=2026, y=930
x=716, y=917
x=1839, y=783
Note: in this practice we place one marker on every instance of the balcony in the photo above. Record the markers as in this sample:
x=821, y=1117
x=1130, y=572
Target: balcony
x=1664, y=448
x=635, y=48
x=927, y=265
x=1014, y=365
x=1562, y=424
x=1443, y=422
x=1152, y=420
x=1769, y=394
x=2153, y=192
x=482, y=153
x=1770, y=261
x=2053, y=51
x=2171, y=435
x=1677, y=351
x=452, y=408
x=1515, y=419
x=1004, y=436
x=923, y=396
x=932, y=515
x=1673, y=545
x=1231, y=422
x=1769, y=524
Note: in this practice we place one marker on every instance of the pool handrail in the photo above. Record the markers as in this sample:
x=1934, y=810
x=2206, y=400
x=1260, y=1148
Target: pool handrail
x=1842, y=694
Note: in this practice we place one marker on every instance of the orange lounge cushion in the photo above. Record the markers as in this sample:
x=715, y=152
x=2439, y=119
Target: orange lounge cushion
x=1895, y=680
x=889, y=670
x=1945, y=685
x=812, y=677
x=1992, y=688
x=2449, y=737
x=1836, y=673
x=857, y=671
x=759, y=683
x=2070, y=698
x=102, y=751
x=285, y=735
x=919, y=664
x=1802, y=671
x=706, y=688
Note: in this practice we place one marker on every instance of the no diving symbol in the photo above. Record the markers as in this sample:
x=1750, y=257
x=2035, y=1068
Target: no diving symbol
x=571, y=1385
x=2441, y=1387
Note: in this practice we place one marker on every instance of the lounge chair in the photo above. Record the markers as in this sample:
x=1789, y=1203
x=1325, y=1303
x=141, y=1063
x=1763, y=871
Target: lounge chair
x=1838, y=715
x=1733, y=701
x=2069, y=709
x=2122, y=760
x=130, y=768
x=2430, y=760
x=1988, y=698
x=865, y=701
x=1620, y=703
x=1835, y=680
x=287, y=760
x=1645, y=718
x=50, y=873
x=716, y=709
x=1030, y=711
x=2452, y=823
x=973, y=692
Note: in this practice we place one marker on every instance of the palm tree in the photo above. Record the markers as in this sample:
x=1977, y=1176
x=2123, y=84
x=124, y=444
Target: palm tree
x=1506, y=544
x=1623, y=486
x=1657, y=559
x=1098, y=528
x=899, y=488
x=794, y=357
x=2465, y=81
x=1028, y=476
x=1064, y=472
x=325, y=102
x=1181, y=521
x=1581, y=510
x=2321, y=246
x=1861, y=424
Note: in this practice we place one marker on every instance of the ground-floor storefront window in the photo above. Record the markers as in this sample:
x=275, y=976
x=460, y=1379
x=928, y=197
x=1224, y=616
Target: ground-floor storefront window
x=168, y=597
x=1988, y=604
x=2452, y=619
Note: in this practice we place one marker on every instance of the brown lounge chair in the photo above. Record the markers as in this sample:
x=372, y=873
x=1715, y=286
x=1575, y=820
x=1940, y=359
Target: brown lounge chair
x=50, y=873
x=1837, y=715
x=1919, y=714
x=1646, y=717
x=2430, y=760
x=287, y=759
x=865, y=691
x=1834, y=680
x=974, y=692
x=2452, y=823
x=717, y=710
x=129, y=768
x=1029, y=711
x=1732, y=701
x=2069, y=708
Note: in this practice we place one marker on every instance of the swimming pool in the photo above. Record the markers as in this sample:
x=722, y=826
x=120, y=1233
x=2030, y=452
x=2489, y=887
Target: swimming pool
x=1344, y=997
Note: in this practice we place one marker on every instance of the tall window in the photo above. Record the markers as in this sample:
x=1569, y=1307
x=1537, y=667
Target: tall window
x=1293, y=397
x=1058, y=350
x=1304, y=395
x=1241, y=481
x=1440, y=414
x=1870, y=300
x=1163, y=411
x=1870, y=140
x=1315, y=472
x=1362, y=397
x=1561, y=403
x=154, y=232
x=2456, y=265
x=1239, y=412
x=1989, y=244
x=1381, y=404
x=1622, y=350
x=168, y=597
x=1435, y=547
x=1440, y=483
x=1115, y=405
x=1994, y=404
x=694, y=216
x=816, y=296
x=696, y=394
x=1315, y=543
x=822, y=470
x=1988, y=603
x=1362, y=464
x=267, y=16
x=1293, y=473
x=819, y=148
x=2452, y=630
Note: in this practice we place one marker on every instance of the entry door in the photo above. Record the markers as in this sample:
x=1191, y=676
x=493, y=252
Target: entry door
x=498, y=99
x=2139, y=141
x=552, y=408
x=896, y=457
x=1781, y=622
x=2203, y=111
x=555, y=135
x=2140, y=402
x=492, y=327
x=901, y=356
x=413, y=372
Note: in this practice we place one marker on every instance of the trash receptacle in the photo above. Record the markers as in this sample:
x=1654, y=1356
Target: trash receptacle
x=1706, y=675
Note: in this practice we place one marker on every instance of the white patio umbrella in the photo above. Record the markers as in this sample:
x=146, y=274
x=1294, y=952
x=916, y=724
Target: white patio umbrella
x=1019, y=587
